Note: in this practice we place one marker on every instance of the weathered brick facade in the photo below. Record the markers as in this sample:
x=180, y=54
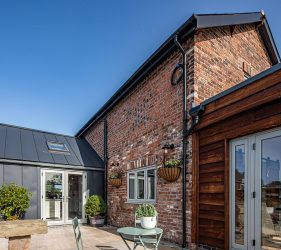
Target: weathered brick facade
x=219, y=57
x=151, y=116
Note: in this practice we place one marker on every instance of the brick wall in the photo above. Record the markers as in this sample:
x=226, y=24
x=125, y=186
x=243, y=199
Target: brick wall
x=151, y=115
x=95, y=137
x=138, y=127
x=219, y=58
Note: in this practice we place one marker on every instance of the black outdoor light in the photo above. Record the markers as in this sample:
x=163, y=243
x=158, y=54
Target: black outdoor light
x=116, y=164
x=167, y=147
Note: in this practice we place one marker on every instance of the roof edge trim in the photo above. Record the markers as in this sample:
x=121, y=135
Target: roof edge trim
x=41, y=164
x=240, y=85
x=198, y=21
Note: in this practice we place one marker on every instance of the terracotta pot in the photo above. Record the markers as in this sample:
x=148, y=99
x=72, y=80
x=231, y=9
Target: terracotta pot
x=117, y=182
x=169, y=174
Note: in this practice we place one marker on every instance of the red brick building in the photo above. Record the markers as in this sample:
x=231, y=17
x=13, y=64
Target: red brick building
x=146, y=114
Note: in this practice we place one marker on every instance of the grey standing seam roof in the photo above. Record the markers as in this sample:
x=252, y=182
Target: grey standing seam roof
x=195, y=22
x=23, y=144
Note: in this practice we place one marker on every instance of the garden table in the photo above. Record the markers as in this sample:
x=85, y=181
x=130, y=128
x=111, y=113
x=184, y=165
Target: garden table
x=140, y=236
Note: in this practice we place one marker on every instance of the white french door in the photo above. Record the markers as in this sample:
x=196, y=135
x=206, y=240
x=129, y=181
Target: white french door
x=255, y=204
x=63, y=196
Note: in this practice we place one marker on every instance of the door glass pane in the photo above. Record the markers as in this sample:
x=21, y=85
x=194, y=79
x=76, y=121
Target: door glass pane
x=239, y=193
x=75, y=196
x=151, y=184
x=271, y=193
x=140, y=181
x=132, y=186
x=53, y=196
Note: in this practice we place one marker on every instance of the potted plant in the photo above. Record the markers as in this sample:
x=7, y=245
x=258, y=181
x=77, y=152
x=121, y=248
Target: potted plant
x=147, y=214
x=95, y=208
x=170, y=171
x=115, y=176
x=14, y=201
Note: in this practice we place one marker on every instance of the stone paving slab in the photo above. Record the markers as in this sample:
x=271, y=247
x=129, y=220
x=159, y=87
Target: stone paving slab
x=62, y=238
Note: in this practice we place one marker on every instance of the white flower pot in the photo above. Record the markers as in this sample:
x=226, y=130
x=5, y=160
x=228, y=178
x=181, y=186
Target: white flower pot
x=270, y=210
x=148, y=222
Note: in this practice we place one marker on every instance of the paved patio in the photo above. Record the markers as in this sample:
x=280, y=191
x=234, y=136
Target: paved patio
x=62, y=238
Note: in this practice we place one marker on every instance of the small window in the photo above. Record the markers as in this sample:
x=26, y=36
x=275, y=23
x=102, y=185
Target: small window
x=57, y=146
x=142, y=185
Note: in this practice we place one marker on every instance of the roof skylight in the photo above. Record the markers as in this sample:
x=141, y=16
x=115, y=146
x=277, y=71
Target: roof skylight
x=57, y=146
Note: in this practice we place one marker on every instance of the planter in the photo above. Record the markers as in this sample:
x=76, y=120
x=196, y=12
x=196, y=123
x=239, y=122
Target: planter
x=19, y=232
x=170, y=174
x=270, y=210
x=117, y=182
x=148, y=222
x=97, y=221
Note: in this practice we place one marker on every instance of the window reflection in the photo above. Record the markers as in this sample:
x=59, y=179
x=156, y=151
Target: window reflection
x=239, y=193
x=151, y=184
x=271, y=193
x=140, y=180
x=53, y=196
x=131, y=186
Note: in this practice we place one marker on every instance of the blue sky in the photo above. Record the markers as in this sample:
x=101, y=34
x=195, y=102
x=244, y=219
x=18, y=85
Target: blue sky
x=61, y=60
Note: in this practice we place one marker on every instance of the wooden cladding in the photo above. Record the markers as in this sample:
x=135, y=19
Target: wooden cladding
x=248, y=110
x=211, y=194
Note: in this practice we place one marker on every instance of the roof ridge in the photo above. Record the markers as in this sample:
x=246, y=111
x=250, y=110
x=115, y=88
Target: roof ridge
x=187, y=29
x=34, y=130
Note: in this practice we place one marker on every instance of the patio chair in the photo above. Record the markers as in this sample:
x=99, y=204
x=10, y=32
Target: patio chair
x=77, y=233
x=149, y=239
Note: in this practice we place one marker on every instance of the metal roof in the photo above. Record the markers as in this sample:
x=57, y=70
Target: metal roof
x=263, y=74
x=194, y=23
x=24, y=145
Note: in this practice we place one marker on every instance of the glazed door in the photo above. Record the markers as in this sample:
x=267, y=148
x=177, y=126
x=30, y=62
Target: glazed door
x=63, y=196
x=256, y=192
x=268, y=184
x=75, y=196
x=53, y=196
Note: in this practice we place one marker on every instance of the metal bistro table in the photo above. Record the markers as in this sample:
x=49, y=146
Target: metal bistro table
x=141, y=236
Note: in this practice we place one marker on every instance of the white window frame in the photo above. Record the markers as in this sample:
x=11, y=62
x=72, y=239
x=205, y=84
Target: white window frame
x=135, y=172
x=65, y=187
x=253, y=179
x=233, y=145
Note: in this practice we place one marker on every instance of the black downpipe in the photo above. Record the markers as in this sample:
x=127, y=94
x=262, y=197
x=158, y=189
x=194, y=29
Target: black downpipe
x=184, y=141
x=105, y=159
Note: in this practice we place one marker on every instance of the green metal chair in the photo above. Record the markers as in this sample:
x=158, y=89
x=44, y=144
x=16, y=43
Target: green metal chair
x=77, y=233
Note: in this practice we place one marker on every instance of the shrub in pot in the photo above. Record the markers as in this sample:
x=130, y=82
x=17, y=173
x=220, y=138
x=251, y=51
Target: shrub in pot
x=147, y=214
x=170, y=171
x=95, y=208
x=14, y=201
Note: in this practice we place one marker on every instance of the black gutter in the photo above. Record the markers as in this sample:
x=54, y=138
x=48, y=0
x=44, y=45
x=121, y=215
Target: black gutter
x=184, y=140
x=243, y=84
x=189, y=27
x=157, y=57
x=105, y=158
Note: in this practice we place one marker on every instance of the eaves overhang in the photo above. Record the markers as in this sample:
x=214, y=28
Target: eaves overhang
x=194, y=23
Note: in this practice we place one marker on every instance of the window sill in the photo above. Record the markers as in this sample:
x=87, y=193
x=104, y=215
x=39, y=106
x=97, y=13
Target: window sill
x=140, y=202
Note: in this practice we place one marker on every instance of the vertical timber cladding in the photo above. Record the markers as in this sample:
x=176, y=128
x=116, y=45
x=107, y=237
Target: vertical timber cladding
x=251, y=109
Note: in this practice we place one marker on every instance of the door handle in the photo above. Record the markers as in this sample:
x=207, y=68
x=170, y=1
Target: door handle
x=65, y=198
